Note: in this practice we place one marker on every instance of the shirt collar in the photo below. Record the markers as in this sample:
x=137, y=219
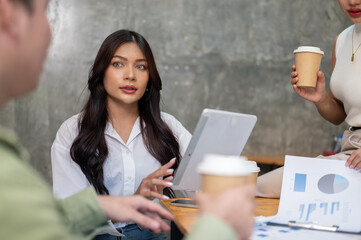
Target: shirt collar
x=136, y=130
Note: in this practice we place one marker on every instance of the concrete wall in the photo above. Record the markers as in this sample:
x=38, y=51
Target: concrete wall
x=233, y=55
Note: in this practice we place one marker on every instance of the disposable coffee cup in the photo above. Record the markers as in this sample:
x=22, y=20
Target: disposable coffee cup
x=308, y=61
x=221, y=172
x=254, y=169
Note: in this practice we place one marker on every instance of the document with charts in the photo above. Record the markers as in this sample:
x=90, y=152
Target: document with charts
x=322, y=192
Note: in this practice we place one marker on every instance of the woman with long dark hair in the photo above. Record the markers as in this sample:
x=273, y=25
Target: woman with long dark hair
x=120, y=143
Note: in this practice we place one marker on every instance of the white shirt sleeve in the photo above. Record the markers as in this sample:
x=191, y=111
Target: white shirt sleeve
x=68, y=178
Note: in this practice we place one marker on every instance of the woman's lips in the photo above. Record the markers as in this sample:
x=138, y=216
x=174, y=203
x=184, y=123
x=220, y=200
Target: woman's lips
x=129, y=89
x=354, y=12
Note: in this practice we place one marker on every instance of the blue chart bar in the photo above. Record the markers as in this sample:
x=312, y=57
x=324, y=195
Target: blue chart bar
x=324, y=205
x=311, y=208
x=337, y=204
x=302, y=208
x=300, y=182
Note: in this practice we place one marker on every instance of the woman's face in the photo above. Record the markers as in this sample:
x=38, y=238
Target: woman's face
x=126, y=77
x=352, y=9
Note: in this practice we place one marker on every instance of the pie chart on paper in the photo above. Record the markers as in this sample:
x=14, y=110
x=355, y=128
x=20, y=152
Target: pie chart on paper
x=332, y=183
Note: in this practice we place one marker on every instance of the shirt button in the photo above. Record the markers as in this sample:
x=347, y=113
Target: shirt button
x=127, y=152
x=129, y=178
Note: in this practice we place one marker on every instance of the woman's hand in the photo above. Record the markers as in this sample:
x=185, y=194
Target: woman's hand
x=354, y=161
x=317, y=94
x=151, y=187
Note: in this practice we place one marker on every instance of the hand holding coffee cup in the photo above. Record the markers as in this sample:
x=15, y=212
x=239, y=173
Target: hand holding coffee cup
x=221, y=172
x=308, y=61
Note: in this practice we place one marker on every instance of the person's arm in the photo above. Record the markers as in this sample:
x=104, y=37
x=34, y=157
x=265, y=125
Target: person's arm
x=83, y=212
x=86, y=212
x=327, y=105
x=29, y=210
x=330, y=108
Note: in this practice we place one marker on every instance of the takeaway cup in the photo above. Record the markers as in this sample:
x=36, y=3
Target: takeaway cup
x=308, y=61
x=220, y=172
x=254, y=169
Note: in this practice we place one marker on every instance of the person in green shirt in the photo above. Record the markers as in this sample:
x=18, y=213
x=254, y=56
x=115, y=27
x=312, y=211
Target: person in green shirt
x=28, y=209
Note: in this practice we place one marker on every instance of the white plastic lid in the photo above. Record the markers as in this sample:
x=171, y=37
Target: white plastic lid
x=253, y=166
x=308, y=49
x=224, y=165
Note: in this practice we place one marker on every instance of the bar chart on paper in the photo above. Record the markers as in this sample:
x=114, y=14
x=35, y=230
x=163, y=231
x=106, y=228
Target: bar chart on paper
x=306, y=210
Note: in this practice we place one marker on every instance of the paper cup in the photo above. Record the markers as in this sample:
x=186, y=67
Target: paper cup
x=254, y=169
x=220, y=172
x=308, y=61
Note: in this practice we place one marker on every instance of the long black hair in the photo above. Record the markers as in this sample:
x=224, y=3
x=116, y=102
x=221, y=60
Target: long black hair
x=89, y=149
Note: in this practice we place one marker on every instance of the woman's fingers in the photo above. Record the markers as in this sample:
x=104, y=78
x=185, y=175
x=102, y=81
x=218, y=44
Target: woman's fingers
x=294, y=80
x=164, y=170
x=355, y=160
x=161, y=183
x=349, y=160
x=358, y=165
x=169, y=179
x=152, y=186
x=151, y=194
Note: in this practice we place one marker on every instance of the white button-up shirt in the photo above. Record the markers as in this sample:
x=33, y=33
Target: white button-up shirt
x=125, y=167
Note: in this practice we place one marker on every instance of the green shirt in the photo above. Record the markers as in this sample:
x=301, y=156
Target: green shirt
x=28, y=209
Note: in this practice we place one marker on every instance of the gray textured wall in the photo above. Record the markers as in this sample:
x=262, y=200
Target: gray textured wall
x=234, y=55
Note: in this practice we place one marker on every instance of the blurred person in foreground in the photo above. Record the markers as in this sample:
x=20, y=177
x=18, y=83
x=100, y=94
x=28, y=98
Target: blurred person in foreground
x=27, y=207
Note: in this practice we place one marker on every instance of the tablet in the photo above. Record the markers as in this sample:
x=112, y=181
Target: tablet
x=218, y=132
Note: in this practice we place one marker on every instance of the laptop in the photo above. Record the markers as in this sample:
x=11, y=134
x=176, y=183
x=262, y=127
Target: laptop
x=217, y=132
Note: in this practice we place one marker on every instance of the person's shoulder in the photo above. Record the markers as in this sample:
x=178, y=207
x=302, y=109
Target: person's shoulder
x=341, y=40
x=346, y=31
x=175, y=125
x=168, y=118
x=71, y=123
x=68, y=130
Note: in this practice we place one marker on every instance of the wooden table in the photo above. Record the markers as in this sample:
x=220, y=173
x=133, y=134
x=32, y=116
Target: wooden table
x=277, y=160
x=185, y=217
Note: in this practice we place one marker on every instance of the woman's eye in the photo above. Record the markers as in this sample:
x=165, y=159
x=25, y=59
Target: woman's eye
x=117, y=64
x=142, y=67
